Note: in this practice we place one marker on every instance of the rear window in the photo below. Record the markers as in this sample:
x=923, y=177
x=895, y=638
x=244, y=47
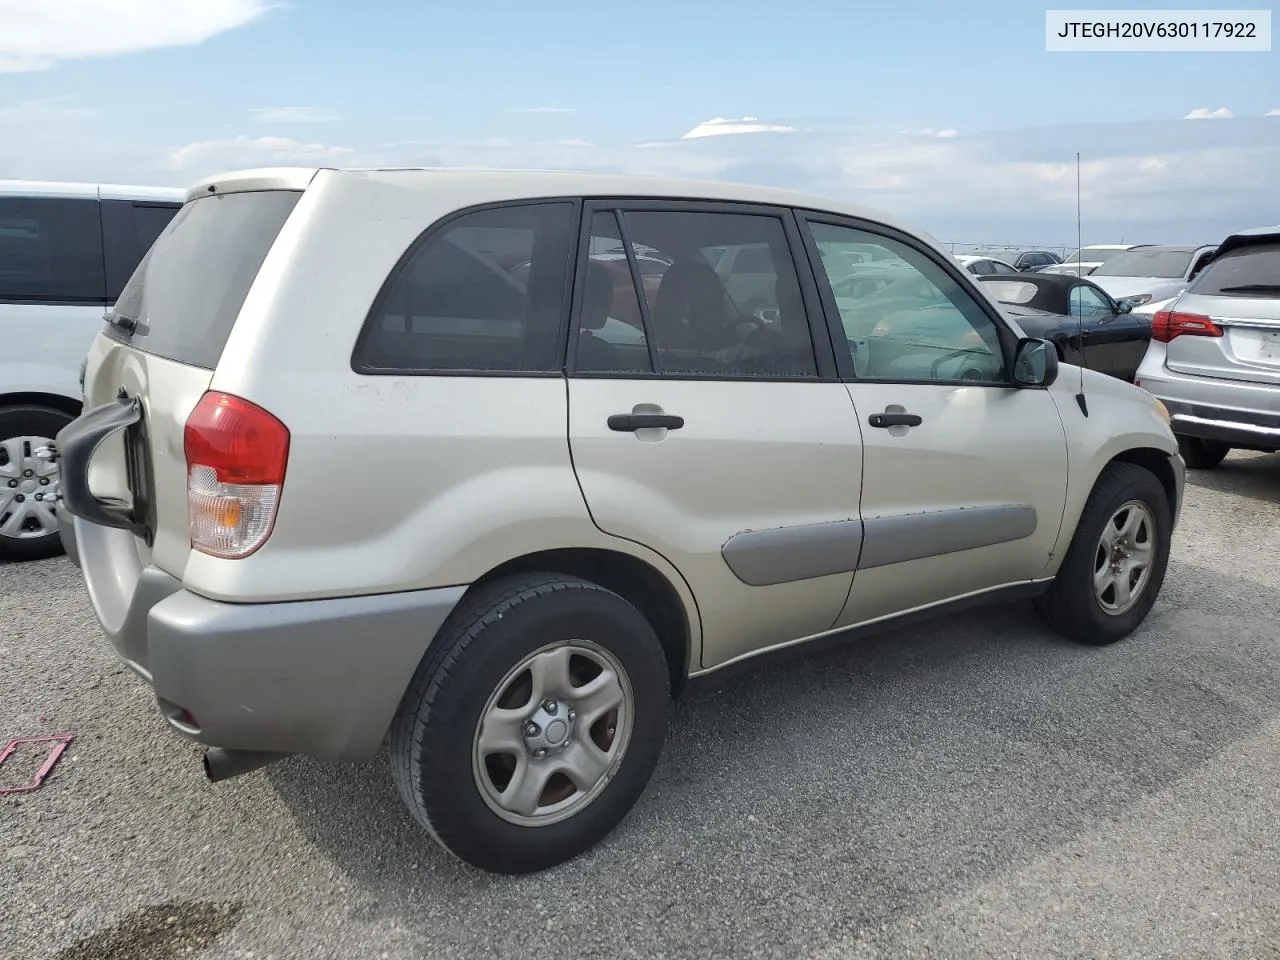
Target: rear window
x=51, y=251
x=187, y=291
x=1011, y=291
x=1246, y=272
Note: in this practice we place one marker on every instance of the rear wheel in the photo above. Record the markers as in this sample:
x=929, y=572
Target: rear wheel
x=1116, y=563
x=534, y=724
x=28, y=484
x=1199, y=454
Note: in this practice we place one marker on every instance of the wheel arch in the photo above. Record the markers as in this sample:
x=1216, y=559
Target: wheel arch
x=1156, y=461
x=632, y=578
x=55, y=401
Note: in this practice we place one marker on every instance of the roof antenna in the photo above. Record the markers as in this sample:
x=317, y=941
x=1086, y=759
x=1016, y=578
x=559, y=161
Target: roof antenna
x=1080, y=400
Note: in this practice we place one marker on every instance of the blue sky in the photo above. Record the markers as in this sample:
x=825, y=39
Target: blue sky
x=845, y=97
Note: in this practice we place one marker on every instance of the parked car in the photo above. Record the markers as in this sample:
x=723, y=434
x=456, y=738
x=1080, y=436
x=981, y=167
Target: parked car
x=983, y=266
x=566, y=529
x=1148, y=273
x=66, y=250
x=1069, y=311
x=1214, y=358
x=1084, y=261
x=1024, y=261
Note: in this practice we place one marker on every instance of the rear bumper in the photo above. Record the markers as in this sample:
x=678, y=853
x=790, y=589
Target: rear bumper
x=1240, y=414
x=317, y=677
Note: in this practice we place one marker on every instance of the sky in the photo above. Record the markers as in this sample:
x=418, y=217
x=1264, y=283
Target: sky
x=950, y=115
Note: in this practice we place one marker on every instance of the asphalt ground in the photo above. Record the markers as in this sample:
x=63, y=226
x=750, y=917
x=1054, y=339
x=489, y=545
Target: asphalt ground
x=972, y=788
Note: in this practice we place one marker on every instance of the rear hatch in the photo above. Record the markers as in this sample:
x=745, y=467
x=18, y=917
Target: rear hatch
x=1239, y=295
x=161, y=345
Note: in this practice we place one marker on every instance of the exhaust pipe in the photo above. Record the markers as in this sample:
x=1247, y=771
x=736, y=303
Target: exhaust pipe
x=222, y=764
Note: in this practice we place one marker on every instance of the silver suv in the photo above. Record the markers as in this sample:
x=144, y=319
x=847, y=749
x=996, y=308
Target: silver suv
x=592, y=484
x=1214, y=355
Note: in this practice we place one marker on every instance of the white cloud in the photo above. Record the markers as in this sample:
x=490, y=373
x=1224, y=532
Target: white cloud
x=245, y=151
x=1204, y=113
x=36, y=34
x=574, y=142
x=293, y=115
x=947, y=134
x=548, y=110
x=721, y=126
x=1273, y=113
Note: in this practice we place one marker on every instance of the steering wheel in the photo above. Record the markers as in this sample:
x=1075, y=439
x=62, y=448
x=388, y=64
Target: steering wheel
x=972, y=373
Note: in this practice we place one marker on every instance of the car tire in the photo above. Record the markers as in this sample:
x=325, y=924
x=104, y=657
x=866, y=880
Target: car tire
x=451, y=778
x=1085, y=601
x=17, y=425
x=1200, y=454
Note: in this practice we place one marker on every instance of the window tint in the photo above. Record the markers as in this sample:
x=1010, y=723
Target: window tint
x=1252, y=271
x=483, y=293
x=905, y=318
x=738, y=324
x=129, y=229
x=149, y=221
x=980, y=267
x=51, y=250
x=188, y=289
x=1085, y=302
x=1147, y=262
x=611, y=337
x=998, y=266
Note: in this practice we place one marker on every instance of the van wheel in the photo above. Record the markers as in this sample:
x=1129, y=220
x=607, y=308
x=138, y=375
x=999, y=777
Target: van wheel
x=1116, y=563
x=28, y=486
x=533, y=724
x=1201, y=454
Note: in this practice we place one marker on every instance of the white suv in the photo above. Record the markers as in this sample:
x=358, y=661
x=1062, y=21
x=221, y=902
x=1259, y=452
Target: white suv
x=66, y=250
x=359, y=462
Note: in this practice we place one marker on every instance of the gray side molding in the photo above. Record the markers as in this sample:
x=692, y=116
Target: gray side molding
x=914, y=536
x=783, y=554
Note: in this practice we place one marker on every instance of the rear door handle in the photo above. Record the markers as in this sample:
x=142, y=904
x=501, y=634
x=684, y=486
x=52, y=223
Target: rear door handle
x=895, y=420
x=631, y=422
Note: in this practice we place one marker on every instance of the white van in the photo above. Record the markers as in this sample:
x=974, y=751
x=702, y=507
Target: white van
x=66, y=251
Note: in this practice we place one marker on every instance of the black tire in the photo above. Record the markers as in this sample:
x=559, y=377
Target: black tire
x=488, y=635
x=1070, y=607
x=1200, y=454
x=30, y=421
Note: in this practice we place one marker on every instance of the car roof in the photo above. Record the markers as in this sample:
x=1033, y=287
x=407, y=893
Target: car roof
x=499, y=185
x=1039, y=278
x=72, y=190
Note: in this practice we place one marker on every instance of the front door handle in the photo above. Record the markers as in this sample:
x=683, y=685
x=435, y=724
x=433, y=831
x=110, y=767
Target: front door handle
x=894, y=420
x=631, y=422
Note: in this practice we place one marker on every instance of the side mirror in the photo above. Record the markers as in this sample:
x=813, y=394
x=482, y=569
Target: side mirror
x=1124, y=306
x=1035, y=363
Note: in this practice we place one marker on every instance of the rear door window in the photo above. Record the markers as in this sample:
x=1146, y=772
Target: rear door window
x=51, y=251
x=183, y=299
x=1252, y=271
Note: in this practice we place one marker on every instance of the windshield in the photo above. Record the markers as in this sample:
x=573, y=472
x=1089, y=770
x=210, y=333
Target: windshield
x=1093, y=255
x=1154, y=262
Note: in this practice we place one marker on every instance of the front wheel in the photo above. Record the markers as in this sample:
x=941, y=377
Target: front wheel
x=1199, y=454
x=534, y=724
x=1115, y=566
x=28, y=483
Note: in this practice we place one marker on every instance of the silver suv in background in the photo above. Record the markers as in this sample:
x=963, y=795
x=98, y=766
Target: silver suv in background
x=1214, y=355
x=66, y=252
x=570, y=524
x=1151, y=273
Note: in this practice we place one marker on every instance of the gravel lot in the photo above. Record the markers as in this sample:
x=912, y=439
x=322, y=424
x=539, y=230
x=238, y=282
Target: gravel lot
x=970, y=789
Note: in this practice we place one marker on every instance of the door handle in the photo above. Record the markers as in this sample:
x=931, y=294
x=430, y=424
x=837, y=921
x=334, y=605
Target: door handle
x=631, y=422
x=895, y=420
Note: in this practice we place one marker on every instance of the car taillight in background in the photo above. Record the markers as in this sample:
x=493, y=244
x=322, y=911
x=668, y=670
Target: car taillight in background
x=236, y=457
x=1169, y=324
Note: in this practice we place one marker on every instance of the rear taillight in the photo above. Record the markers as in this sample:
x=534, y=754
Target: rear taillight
x=236, y=458
x=1168, y=324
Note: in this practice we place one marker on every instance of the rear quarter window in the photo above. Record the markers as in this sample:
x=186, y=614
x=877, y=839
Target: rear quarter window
x=482, y=292
x=51, y=251
x=1247, y=271
x=184, y=298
